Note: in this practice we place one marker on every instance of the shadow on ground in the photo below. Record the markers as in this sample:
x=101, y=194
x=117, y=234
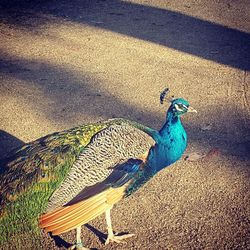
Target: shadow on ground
x=7, y=143
x=68, y=96
x=168, y=28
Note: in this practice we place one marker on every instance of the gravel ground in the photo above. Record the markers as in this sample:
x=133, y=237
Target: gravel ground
x=65, y=63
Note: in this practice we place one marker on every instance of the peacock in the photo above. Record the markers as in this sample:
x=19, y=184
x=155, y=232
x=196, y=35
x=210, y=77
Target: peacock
x=66, y=179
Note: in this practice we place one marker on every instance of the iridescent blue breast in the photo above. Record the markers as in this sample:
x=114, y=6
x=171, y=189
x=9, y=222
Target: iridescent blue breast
x=169, y=147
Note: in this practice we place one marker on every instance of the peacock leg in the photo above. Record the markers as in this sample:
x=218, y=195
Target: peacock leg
x=111, y=237
x=78, y=245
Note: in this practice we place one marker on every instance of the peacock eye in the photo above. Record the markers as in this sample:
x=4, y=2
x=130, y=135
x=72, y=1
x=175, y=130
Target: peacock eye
x=184, y=106
x=181, y=107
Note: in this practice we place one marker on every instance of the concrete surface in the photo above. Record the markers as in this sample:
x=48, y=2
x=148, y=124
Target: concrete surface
x=65, y=63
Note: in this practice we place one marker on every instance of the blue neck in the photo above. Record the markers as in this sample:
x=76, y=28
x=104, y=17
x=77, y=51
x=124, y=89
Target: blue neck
x=171, y=120
x=170, y=143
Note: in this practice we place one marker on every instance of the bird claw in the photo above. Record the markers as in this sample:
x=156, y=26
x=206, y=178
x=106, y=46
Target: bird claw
x=118, y=238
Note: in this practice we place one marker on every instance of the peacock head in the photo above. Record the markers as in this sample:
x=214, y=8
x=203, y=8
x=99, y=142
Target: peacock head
x=178, y=106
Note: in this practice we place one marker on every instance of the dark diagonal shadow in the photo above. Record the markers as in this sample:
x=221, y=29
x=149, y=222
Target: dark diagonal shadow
x=7, y=143
x=59, y=242
x=68, y=93
x=174, y=30
x=101, y=236
x=68, y=98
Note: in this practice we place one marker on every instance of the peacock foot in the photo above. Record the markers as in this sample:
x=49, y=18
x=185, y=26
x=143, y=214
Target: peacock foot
x=118, y=238
x=78, y=246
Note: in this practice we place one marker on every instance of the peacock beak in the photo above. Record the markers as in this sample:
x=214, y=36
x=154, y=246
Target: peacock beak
x=191, y=109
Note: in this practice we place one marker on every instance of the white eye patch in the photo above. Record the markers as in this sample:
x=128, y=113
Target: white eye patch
x=181, y=107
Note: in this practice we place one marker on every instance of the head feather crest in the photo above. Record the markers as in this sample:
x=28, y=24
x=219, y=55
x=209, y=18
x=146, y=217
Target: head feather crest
x=163, y=96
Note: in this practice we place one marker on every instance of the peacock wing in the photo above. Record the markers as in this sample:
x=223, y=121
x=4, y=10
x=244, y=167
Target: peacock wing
x=108, y=149
x=98, y=179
